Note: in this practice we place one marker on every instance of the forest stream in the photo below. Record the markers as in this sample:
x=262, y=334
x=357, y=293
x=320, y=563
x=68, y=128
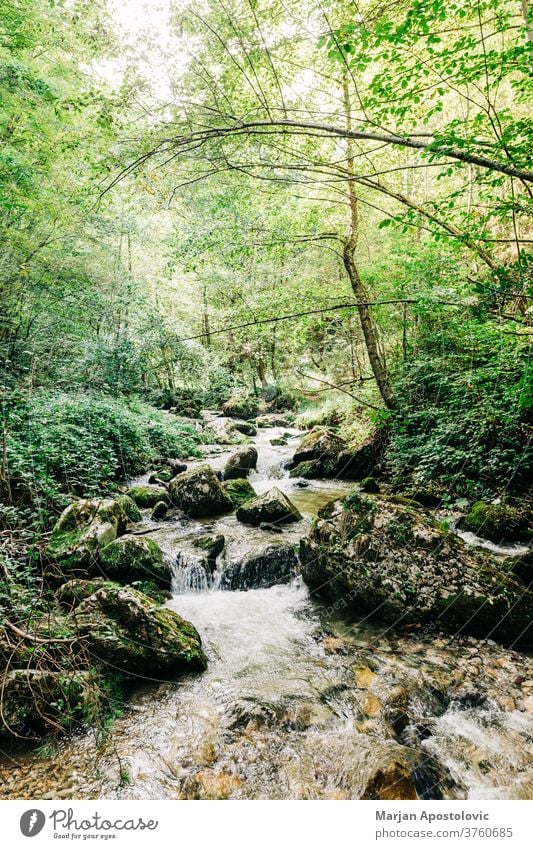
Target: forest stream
x=297, y=702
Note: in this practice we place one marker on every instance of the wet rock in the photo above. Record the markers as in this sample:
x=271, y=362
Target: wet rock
x=398, y=564
x=278, y=440
x=130, y=508
x=273, y=506
x=268, y=526
x=72, y=592
x=392, y=782
x=250, y=714
x=498, y=522
x=160, y=511
x=199, y=493
x=148, y=495
x=275, y=564
x=125, y=628
x=364, y=677
x=309, y=469
x=161, y=476
x=212, y=546
x=275, y=420
x=134, y=558
x=241, y=463
x=247, y=428
x=528, y=704
x=210, y=784
x=82, y=530
x=36, y=701
x=239, y=490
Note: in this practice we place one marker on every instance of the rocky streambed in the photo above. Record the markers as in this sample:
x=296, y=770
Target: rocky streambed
x=302, y=699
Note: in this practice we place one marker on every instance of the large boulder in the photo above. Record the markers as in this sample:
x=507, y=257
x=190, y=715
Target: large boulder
x=273, y=506
x=240, y=464
x=37, y=701
x=147, y=495
x=83, y=529
x=239, y=490
x=134, y=558
x=199, y=493
x=321, y=447
x=274, y=564
x=396, y=563
x=127, y=630
x=498, y=522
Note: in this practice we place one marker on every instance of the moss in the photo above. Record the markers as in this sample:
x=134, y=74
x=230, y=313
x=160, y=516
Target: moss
x=148, y=496
x=308, y=469
x=130, y=508
x=497, y=522
x=134, y=558
x=239, y=491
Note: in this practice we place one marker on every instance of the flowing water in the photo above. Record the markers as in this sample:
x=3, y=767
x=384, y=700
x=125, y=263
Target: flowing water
x=298, y=701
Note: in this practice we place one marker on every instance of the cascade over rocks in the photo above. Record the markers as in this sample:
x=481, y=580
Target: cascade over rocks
x=273, y=506
x=396, y=563
x=199, y=493
x=240, y=464
x=134, y=558
x=125, y=628
x=83, y=529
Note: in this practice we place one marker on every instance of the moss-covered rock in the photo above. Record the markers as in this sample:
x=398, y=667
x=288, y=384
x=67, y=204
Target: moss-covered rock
x=199, y=493
x=130, y=508
x=247, y=428
x=148, y=495
x=134, y=558
x=275, y=420
x=397, y=564
x=239, y=490
x=126, y=629
x=273, y=506
x=211, y=545
x=72, y=592
x=319, y=444
x=498, y=522
x=241, y=463
x=82, y=530
x=165, y=475
x=37, y=701
x=309, y=469
x=241, y=407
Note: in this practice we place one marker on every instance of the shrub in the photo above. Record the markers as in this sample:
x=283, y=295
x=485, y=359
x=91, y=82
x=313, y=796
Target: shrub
x=61, y=445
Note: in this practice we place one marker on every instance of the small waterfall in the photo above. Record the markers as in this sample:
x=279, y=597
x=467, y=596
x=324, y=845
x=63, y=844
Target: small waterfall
x=190, y=573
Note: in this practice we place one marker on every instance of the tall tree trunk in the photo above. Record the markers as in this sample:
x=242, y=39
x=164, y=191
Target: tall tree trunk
x=350, y=264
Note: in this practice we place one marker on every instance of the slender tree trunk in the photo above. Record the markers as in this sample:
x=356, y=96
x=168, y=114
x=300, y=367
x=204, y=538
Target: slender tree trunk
x=350, y=264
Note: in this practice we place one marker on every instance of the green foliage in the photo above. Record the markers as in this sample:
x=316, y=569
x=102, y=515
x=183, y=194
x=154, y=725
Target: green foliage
x=464, y=404
x=60, y=445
